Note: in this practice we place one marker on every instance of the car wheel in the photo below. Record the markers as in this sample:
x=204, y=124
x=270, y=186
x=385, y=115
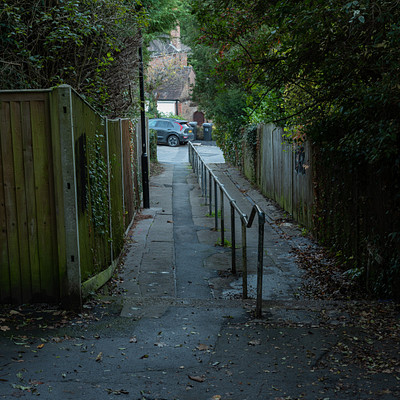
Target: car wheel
x=173, y=141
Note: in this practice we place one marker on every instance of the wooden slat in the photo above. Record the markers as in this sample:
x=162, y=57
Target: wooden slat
x=11, y=210
x=23, y=95
x=58, y=194
x=30, y=191
x=55, y=292
x=128, y=182
x=41, y=156
x=5, y=289
x=114, y=143
x=17, y=118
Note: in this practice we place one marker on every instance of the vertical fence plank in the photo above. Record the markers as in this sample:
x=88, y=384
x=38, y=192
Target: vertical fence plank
x=30, y=194
x=54, y=111
x=116, y=191
x=43, y=170
x=5, y=288
x=129, y=195
x=11, y=210
x=17, y=121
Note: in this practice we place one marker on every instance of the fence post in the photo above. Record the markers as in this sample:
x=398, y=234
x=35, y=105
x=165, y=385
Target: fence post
x=66, y=196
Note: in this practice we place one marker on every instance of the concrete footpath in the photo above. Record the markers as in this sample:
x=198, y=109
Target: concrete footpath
x=174, y=325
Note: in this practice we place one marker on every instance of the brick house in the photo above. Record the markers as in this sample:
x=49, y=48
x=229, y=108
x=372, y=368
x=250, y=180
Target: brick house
x=175, y=95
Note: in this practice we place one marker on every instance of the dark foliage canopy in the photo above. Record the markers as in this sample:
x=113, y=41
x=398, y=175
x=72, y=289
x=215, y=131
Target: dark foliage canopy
x=332, y=65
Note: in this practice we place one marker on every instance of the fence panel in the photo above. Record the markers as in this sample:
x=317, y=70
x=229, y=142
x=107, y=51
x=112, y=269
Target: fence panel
x=285, y=173
x=89, y=132
x=28, y=263
x=67, y=177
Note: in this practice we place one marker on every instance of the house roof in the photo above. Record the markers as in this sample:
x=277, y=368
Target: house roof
x=163, y=46
x=178, y=89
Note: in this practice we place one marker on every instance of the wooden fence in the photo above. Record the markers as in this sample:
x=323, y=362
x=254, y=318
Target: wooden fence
x=283, y=172
x=68, y=191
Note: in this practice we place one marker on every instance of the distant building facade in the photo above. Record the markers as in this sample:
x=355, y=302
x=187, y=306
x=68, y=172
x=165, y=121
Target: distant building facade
x=175, y=95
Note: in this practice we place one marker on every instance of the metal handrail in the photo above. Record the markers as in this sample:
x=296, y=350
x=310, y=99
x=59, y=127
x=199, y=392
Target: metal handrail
x=207, y=180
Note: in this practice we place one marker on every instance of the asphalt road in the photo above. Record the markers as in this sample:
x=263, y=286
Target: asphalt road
x=176, y=155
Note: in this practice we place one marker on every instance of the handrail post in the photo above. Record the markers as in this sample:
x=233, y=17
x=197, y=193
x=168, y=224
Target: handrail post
x=205, y=183
x=216, y=204
x=261, y=222
x=210, y=186
x=222, y=217
x=244, y=259
x=233, y=238
x=202, y=178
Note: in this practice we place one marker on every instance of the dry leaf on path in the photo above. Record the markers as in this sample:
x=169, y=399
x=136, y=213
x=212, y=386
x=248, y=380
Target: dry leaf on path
x=196, y=378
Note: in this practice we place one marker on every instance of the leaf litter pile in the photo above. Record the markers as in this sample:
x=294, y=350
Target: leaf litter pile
x=325, y=279
x=371, y=339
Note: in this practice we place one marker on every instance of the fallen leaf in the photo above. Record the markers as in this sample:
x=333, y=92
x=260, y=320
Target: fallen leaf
x=4, y=328
x=254, y=342
x=99, y=357
x=117, y=392
x=40, y=346
x=20, y=387
x=202, y=347
x=133, y=340
x=36, y=382
x=144, y=356
x=196, y=378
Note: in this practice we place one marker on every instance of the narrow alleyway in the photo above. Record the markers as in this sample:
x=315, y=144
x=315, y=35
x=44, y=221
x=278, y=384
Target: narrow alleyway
x=178, y=329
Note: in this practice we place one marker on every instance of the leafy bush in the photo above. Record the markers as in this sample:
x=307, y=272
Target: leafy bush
x=90, y=45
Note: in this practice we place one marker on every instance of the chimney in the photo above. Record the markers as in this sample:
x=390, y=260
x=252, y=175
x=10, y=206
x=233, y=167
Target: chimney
x=176, y=38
